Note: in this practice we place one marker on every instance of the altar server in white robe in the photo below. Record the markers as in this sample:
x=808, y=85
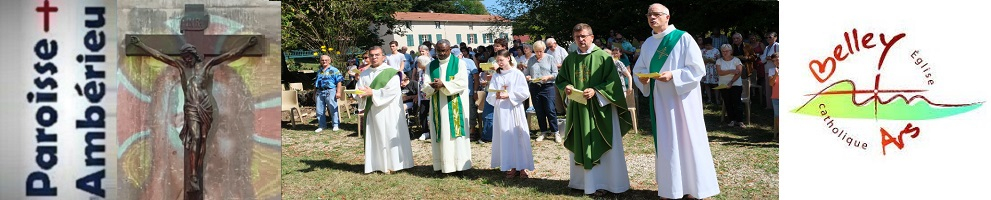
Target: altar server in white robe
x=508, y=90
x=387, y=146
x=684, y=166
x=448, y=122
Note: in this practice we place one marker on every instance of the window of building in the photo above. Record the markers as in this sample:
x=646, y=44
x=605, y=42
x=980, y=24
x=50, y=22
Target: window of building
x=409, y=40
x=437, y=25
x=424, y=38
x=472, y=38
x=487, y=38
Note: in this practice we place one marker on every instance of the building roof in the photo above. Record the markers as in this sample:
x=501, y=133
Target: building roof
x=426, y=16
x=522, y=38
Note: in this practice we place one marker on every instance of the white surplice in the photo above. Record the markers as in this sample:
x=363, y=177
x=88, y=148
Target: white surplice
x=611, y=173
x=450, y=154
x=511, y=133
x=387, y=146
x=683, y=159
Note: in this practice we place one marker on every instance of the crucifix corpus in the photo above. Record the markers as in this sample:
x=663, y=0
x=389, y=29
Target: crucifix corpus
x=195, y=73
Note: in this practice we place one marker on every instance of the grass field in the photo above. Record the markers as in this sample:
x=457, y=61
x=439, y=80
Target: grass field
x=330, y=165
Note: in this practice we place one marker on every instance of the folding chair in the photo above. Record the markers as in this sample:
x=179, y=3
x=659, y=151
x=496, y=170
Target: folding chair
x=746, y=97
x=296, y=86
x=631, y=104
x=290, y=103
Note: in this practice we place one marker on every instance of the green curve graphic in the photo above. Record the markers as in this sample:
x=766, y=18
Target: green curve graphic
x=897, y=108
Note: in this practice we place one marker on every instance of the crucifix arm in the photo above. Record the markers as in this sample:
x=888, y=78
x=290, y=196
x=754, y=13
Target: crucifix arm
x=168, y=60
x=230, y=55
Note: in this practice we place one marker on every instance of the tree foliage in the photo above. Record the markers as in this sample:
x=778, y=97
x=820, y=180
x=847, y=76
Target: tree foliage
x=351, y=25
x=457, y=7
x=556, y=18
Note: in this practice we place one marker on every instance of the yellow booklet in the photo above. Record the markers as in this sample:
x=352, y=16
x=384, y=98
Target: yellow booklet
x=495, y=90
x=720, y=87
x=354, y=92
x=537, y=80
x=649, y=75
x=486, y=66
x=576, y=96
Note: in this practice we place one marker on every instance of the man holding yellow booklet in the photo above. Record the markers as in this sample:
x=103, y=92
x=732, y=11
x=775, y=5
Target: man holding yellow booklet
x=684, y=165
x=593, y=130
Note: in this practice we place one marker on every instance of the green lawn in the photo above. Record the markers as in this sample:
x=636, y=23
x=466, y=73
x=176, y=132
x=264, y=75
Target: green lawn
x=329, y=165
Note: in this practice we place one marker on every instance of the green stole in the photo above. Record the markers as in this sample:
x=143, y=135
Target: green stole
x=663, y=50
x=378, y=83
x=454, y=112
x=588, y=131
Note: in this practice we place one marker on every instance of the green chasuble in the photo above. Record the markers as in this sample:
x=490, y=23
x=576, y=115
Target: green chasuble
x=588, y=130
x=454, y=112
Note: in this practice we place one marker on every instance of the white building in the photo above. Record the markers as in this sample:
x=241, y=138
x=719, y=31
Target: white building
x=474, y=30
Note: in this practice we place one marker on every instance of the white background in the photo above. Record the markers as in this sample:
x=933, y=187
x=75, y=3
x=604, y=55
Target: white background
x=21, y=29
x=950, y=156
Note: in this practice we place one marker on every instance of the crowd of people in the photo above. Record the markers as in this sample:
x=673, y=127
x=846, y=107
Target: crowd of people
x=451, y=92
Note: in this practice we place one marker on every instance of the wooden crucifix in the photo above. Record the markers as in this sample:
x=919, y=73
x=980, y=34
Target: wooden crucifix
x=199, y=53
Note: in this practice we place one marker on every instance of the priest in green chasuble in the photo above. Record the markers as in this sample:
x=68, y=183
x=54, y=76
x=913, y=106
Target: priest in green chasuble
x=595, y=123
x=448, y=119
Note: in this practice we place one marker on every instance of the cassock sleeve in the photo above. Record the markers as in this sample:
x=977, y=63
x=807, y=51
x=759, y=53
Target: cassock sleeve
x=425, y=88
x=518, y=90
x=686, y=78
x=388, y=94
x=490, y=97
x=362, y=77
x=458, y=84
x=642, y=67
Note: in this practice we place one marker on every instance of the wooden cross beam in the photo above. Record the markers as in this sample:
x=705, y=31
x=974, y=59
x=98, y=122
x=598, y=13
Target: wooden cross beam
x=195, y=21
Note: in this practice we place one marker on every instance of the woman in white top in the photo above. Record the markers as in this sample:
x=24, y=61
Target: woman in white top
x=419, y=73
x=728, y=68
x=711, y=79
x=524, y=57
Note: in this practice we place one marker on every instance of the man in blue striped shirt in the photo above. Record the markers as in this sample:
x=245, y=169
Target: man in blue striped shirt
x=328, y=86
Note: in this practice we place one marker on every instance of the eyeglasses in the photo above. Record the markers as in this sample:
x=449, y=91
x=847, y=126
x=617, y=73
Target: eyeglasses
x=656, y=14
x=582, y=36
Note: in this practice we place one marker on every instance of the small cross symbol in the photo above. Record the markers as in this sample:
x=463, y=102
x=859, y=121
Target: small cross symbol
x=47, y=10
x=661, y=53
